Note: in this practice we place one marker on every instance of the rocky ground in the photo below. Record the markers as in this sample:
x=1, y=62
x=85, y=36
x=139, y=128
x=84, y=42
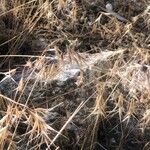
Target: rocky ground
x=74, y=75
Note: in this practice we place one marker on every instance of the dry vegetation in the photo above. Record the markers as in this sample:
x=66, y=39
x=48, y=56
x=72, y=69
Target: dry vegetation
x=107, y=108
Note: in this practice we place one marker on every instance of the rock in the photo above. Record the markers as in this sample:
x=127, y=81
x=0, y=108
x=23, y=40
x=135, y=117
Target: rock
x=42, y=89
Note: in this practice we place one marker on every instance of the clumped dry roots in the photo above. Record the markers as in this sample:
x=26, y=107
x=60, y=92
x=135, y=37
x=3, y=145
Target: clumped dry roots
x=74, y=74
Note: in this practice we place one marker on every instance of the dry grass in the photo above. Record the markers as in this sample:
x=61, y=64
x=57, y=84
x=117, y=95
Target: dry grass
x=106, y=107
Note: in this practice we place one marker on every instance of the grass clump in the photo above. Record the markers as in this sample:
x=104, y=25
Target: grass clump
x=102, y=49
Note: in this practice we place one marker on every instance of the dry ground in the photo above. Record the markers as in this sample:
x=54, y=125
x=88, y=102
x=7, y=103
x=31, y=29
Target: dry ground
x=108, y=111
